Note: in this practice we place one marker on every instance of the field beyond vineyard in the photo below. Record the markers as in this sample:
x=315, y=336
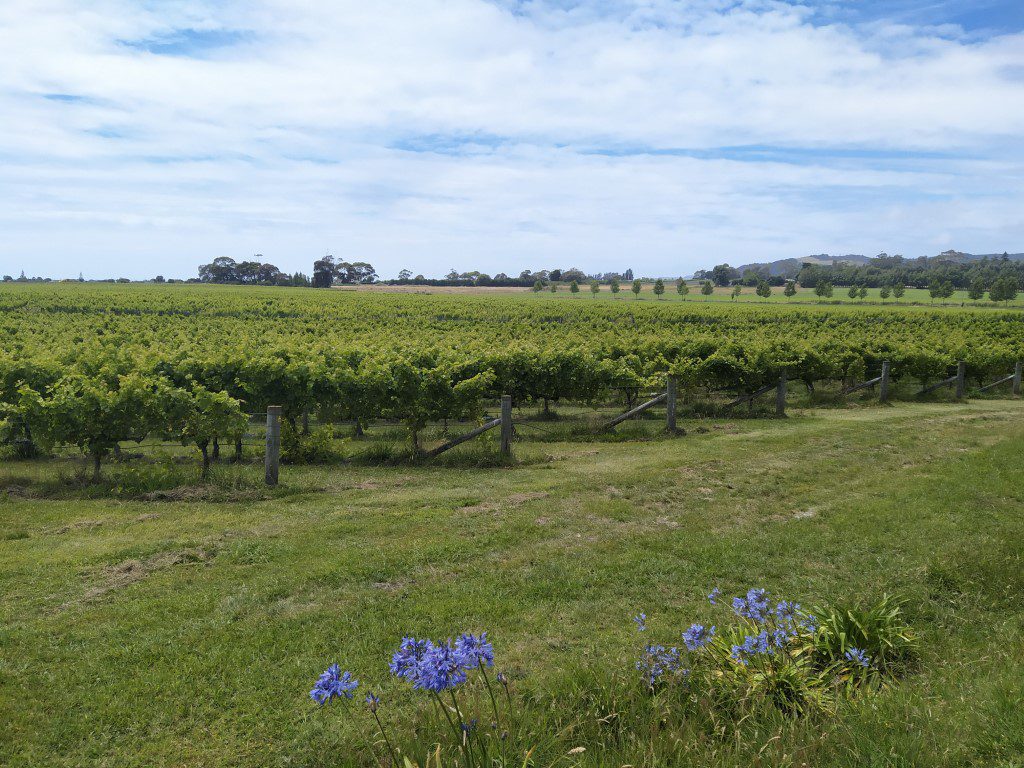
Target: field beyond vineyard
x=153, y=619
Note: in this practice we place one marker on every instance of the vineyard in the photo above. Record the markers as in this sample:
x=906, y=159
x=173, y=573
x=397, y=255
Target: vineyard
x=186, y=622
x=95, y=365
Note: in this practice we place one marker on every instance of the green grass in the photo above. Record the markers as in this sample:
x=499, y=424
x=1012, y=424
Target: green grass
x=188, y=632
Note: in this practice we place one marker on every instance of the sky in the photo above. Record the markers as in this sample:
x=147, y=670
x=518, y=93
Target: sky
x=148, y=137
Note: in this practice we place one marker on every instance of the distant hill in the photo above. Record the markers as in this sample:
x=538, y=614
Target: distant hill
x=790, y=267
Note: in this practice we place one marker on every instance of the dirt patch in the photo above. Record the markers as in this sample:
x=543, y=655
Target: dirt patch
x=805, y=514
x=18, y=492
x=144, y=518
x=123, y=574
x=512, y=500
x=203, y=493
x=81, y=525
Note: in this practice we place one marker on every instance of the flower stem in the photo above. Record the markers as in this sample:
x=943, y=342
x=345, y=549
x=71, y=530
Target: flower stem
x=387, y=741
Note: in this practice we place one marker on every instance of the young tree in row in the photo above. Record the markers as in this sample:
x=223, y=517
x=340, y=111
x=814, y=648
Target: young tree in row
x=614, y=287
x=93, y=413
x=884, y=292
x=197, y=416
x=737, y=290
x=659, y=287
x=790, y=290
x=852, y=292
x=707, y=288
x=637, y=287
x=862, y=293
x=595, y=288
x=574, y=287
x=898, y=290
x=823, y=289
x=538, y=286
x=764, y=290
x=682, y=288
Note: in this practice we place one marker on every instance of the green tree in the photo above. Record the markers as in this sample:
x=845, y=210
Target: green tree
x=659, y=287
x=595, y=288
x=736, y=291
x=764, y=290
x=977, y=289
x=884, y=292
x=574, y=287
x=554, y=288
x=197, y=416
x=823, y=289
x=1003, y=289
x=614, y=287
x=898, y=290
x=538, y=286
x=935, y=289
x=707, y=288
x=682, y=288
x=637, y=287
x=790, y=290
x=852, y=292
x=96, y=413
x=862, y=293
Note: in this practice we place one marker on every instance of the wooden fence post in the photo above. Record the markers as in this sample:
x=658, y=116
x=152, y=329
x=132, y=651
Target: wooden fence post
x=883, y=389
x=1016, y=377
x=506, y=424
x=961, y=377
x=671, y=390
x=780, y=396
x=273, y=457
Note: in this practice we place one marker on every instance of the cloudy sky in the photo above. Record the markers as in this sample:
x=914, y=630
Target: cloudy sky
x=143, y=138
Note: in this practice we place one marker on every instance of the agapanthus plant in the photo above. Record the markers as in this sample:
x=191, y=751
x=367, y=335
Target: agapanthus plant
x=439, y=669
x=764, y=652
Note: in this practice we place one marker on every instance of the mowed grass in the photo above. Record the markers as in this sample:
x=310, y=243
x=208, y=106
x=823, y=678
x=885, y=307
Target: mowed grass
x=188, y=633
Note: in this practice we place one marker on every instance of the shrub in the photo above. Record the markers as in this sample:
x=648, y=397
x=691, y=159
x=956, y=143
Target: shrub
x=318, y=446
x=879, y=630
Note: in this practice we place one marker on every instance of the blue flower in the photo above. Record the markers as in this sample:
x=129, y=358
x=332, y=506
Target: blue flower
x=713, y=597
x=808, y=624
x=372, y=702
x=440, y=668
x=697, y=636
x=858, y=656
x=658, y=660
x=333, y=683
x=752, y=645
x=786, y=611
x=780, y=637
x=641, y=622
x=754, y=606
x=469, y=727
x=406, y=661
x=475, y=650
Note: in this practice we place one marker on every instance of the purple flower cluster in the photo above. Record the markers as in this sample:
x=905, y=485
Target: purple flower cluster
x=755, y=606
x=656, y=661
x=438, y=667
x=697, y=636
x=332, y=684
x=752, y=645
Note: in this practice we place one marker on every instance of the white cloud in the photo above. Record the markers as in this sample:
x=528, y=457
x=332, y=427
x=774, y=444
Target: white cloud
x=289, y=138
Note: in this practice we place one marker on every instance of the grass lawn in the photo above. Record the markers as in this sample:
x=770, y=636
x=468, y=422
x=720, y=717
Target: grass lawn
x=189, y=632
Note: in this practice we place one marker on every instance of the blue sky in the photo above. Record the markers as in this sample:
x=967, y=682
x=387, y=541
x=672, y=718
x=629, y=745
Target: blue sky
x=145, y=138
